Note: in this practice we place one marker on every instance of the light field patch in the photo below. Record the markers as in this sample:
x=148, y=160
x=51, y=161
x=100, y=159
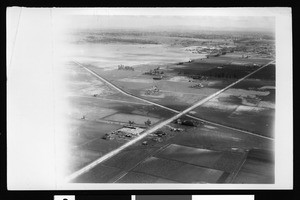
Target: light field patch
x=138, y=119
x=134, y=80
x=179, y=79
x=200, y=157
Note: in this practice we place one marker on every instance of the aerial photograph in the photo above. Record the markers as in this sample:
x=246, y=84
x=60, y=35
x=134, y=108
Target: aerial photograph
x=166, y=98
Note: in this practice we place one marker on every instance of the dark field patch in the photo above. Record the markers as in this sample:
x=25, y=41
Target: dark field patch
x=258, y=168
x=229, y=161
x=220, y=70
x=262, y=155
x=255, y=84
x=178, y=171
x=261, y=122
x=231, y=99
x=194, y=68
x=229, y=72
x=267, y=73
x=220, y=160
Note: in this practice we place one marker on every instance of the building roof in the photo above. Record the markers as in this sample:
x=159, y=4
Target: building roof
x=133, y=131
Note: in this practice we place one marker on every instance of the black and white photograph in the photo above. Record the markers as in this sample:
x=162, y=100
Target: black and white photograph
x=149, y=98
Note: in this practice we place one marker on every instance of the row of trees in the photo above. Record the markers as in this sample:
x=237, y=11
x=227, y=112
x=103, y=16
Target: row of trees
x=147, y=123
x=122, y=67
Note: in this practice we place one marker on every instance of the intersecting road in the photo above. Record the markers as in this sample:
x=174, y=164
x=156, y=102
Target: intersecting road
x=157, y=126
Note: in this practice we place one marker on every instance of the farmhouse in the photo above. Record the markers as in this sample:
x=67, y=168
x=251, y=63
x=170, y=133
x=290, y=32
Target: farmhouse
x=131, y=130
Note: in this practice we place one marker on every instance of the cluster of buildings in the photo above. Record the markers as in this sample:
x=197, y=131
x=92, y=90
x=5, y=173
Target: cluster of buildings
x=125, y=132
x=155, y=72
x=187, y=122
x=153, y=90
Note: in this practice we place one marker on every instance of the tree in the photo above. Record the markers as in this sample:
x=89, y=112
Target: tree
x=148, y=122
x=131, y=123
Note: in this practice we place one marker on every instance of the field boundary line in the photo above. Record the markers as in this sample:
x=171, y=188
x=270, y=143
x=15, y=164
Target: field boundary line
x=236, y=172
x=148, y=156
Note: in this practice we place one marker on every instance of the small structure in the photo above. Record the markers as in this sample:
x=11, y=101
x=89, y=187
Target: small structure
x=155, y=71
x=189, y=123
x=148, y=122
x=186, y=122
x=157, y=77
x=157, y=139
x=134, y=131
x=153, y=90
x=107, y=136
x=176, y=129
x=123, y=133
x=160, y=133
x=199, y=85
x=178, y=121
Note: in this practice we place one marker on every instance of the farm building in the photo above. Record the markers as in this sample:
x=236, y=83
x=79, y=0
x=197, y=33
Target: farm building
x=131, y=130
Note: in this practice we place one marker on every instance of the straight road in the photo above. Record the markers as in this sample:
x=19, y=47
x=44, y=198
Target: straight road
x=153, y=128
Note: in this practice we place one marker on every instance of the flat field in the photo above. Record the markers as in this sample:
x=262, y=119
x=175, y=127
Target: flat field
x=258, y=168
x=249, y=105
x=94, y=109
x=209, y=153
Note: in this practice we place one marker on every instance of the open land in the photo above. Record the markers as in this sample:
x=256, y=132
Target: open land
x=139, y=81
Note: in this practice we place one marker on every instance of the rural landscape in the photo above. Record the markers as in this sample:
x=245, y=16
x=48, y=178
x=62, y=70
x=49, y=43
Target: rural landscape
x=168, y=106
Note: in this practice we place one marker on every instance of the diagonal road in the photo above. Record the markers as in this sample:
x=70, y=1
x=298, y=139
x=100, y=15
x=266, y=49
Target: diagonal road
x=153, y=128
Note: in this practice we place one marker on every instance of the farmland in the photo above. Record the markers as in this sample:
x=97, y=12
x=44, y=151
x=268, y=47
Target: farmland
x=130, y=80
x=213, y=153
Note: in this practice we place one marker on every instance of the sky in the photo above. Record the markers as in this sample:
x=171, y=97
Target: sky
x=232, y=23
